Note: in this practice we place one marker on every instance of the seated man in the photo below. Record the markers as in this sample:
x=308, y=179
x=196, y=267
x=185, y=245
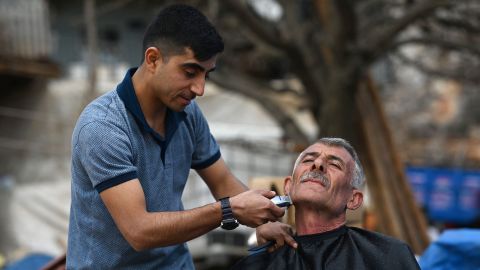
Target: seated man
x=326, y=181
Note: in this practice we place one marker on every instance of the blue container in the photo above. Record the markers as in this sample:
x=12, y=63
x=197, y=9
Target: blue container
x=468, y=202
x=444, y=195
x=419, y=179
x=447, y=195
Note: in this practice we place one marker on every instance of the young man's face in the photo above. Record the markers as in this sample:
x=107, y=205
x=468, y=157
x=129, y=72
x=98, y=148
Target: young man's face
x=321, y=179
x=180, y=79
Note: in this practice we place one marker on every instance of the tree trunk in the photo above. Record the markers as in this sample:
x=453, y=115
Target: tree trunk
x=391, y=195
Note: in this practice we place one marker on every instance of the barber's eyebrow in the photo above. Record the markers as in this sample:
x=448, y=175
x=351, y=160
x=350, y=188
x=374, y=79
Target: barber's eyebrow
x=197, y=67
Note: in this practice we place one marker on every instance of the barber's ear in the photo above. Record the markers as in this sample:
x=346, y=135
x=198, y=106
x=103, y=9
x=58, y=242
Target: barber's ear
x=287, y=185
x=356, y=200
x=152, y=54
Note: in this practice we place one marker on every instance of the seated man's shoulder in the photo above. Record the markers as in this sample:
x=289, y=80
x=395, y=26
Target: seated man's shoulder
x=382, y=242
x=372, y=234
x=259, y=258
x=384, y=249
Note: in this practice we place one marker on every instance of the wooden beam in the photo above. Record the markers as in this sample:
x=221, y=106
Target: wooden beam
x=22, y=67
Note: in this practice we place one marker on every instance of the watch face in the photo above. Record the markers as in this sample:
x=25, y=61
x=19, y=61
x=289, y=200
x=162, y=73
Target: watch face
x=229, y=224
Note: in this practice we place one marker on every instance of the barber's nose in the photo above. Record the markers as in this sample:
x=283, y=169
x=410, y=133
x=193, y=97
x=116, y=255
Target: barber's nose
x=198, y=87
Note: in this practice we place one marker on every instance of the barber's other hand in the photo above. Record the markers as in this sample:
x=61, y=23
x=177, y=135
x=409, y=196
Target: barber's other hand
x=253, y=208
x=277, y=232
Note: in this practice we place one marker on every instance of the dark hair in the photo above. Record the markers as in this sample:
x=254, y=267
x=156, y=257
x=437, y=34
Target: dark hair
x=179, y=26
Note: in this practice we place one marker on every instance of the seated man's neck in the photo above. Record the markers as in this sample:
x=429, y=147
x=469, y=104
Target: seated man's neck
x=312, y=222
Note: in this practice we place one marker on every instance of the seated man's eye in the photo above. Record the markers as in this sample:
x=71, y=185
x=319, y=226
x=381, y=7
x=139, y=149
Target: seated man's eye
x=336, y=165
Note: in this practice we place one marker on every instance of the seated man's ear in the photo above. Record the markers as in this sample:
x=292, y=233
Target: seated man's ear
x=287, y=185
x=356, y=200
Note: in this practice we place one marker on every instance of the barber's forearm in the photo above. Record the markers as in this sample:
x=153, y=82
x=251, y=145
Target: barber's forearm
x=231, y=187
x=221, y=181
x=161, y=229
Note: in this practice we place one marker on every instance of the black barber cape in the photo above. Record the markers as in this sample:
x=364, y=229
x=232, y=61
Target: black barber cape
x=343, y=248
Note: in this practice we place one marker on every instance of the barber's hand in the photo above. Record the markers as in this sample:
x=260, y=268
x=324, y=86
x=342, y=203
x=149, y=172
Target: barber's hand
x=277, y=232
x=253, y=208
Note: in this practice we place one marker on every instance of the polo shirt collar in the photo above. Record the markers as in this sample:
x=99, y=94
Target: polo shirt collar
x=126, y=92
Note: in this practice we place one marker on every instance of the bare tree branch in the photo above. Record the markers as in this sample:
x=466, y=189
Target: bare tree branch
x=262, y=30
x=374, y=20
x=459, y=75
x=371, y=6
x=454, y=45
x=338, y=20
x=292, y=28
x=379, y=42
x=232, y=81
x=458, y=24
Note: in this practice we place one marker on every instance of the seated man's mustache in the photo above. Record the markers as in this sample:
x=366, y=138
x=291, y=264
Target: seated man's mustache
x=315, y=176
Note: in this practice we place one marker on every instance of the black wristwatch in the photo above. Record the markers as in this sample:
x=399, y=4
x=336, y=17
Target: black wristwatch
x=229, y=222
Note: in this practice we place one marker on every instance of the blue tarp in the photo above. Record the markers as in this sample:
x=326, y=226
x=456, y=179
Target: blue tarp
x=447, y=195
x=30, y=262
x=457, y=249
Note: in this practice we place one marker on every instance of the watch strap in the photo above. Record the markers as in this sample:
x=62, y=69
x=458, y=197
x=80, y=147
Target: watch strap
x=228, y=220
x=227, y=212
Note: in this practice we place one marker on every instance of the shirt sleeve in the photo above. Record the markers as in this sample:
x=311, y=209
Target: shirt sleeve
x=106, y=154
x=206, y=150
